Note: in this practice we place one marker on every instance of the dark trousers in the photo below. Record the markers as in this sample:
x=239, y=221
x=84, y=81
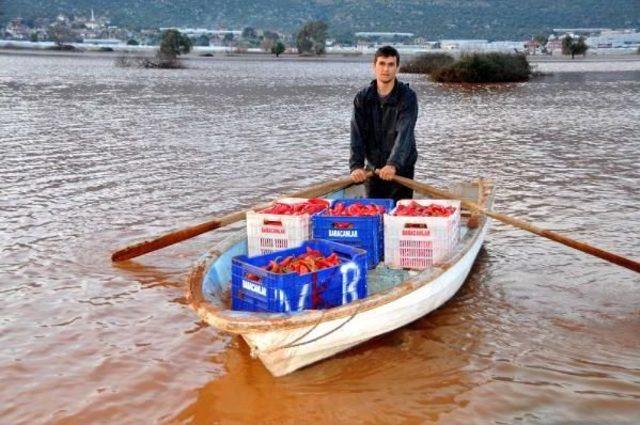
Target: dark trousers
x=378, y=188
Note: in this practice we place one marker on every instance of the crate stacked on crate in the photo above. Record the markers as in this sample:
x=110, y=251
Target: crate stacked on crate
x=269, y=283
x=284, y=225
x=356, y=222
x=423, y=240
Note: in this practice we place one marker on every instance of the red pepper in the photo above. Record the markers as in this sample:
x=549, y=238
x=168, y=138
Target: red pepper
x=309, y=261
x=252, y=276
x=357, y=209
x=308, y=207
x=431, y=210
x=313, y=251
x=319, y=201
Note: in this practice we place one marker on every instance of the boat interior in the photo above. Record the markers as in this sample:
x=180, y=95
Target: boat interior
x=215, y=266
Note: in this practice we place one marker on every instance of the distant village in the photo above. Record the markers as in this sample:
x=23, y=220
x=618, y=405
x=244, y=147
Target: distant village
x=96, y=33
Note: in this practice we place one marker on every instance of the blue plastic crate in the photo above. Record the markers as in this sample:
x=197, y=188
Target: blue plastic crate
x=282, y=293
x=362, y=232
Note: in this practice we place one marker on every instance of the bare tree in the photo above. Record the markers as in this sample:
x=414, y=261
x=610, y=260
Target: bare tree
x=311, y=38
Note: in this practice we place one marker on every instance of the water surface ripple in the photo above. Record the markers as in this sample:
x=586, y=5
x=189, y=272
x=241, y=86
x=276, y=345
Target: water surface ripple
x=94, y=156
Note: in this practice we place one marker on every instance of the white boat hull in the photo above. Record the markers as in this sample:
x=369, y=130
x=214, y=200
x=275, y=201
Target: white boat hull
x=283, y=351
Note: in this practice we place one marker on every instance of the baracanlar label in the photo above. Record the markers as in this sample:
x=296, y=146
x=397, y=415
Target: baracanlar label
x=254, y=287
x=343, y=233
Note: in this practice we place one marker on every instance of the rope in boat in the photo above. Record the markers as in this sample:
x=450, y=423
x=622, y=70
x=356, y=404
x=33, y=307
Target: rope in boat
x=311, y=329
x=291, y=345
x=295, y=342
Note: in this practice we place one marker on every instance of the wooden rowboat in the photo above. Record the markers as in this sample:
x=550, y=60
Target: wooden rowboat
x=287, y=342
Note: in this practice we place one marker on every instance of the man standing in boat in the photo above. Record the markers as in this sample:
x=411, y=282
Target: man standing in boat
x=382, y=129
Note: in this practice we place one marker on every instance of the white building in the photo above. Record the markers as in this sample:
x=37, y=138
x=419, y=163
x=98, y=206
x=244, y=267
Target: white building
x=463, y=44
x=195, y=32
x=102, y=41
x=506, y=46
x=614, y=39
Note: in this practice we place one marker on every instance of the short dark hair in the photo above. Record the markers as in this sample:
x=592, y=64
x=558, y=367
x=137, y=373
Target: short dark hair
x=387, y=52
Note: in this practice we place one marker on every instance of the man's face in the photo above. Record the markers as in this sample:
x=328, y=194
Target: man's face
x=385, y=68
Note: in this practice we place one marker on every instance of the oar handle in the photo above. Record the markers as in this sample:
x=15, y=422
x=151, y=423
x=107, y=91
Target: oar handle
x=173, y=237
x=572, y=243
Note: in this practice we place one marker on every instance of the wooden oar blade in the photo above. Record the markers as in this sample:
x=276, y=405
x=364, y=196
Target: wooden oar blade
x=163, y=241
x=171, y=238
x=521, y=224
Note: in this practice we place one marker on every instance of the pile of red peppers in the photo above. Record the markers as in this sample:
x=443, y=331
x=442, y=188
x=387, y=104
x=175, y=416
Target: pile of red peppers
x=432, y=210
x=308, y=262
x=355, y=210
x=311, y=206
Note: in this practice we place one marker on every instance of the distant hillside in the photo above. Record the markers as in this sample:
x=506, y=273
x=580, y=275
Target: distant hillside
x=433, y=19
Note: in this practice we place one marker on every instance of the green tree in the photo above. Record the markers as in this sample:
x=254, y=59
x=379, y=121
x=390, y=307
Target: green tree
x=312, y=37
x=581, y=46
x=60, y=33
x=573, y=47
x=249, y=33
x=173, y=43
x=132, y=42
x=278, y=48
x=33, y=36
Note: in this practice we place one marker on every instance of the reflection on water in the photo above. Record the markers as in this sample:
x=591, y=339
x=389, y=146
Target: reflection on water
x=94, y=156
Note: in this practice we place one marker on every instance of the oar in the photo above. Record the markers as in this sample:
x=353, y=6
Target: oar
x=176, y=236
x=581, y=246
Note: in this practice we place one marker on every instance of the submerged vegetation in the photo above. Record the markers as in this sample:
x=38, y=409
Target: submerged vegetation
x=472, y=68
x=485, y=68
x=172, y=45
x=427, y=63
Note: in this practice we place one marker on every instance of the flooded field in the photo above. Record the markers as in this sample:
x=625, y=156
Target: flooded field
x=95, y=156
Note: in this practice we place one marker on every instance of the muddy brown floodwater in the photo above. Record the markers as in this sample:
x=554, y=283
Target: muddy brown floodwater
x=94, y=156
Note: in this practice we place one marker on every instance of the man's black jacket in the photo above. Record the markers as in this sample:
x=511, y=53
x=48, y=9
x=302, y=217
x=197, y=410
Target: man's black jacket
x=382, y=133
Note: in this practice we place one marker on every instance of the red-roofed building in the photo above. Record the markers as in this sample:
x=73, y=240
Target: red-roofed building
x=532, y=47
x=555, y=46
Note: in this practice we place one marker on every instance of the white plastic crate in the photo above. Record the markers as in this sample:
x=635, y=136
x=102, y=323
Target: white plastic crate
x=420, y=242
x=271, y=232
